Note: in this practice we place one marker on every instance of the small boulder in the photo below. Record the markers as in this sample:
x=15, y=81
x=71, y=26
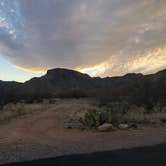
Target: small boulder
x=123, y=126
x=105, y=127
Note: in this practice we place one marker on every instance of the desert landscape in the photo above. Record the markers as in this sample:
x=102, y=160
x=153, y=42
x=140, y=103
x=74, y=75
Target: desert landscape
x=42, y=133
x=50, y=117
x=83, y=82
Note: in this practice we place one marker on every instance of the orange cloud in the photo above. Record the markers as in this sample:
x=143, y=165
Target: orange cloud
x=149, y=62
x=96, y=70
x=32, y=70
x=146, y=63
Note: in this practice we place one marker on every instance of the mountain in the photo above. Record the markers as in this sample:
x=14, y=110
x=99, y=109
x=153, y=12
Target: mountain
x=8, y=91
x=133, y=88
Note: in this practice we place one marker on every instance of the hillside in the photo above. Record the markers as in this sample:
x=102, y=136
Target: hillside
x=133, y=88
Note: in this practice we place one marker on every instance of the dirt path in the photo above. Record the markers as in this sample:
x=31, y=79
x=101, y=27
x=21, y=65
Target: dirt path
x=42, y=135
x=43, y=126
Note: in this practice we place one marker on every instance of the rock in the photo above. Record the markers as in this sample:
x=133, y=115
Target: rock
x=105, y=127
x=123, y=126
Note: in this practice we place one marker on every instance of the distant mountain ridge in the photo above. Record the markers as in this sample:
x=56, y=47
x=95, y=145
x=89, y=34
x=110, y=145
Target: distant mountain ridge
x=60, y=82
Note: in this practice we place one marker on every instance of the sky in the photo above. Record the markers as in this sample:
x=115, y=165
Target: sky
x=98, y=37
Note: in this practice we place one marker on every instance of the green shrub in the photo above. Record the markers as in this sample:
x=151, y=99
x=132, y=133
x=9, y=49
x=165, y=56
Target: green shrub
x=95, y=117
x=118, y=107
x=117, y=110
x=72, y=123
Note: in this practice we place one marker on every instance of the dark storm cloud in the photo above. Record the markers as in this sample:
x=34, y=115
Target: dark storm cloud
x=110, y=34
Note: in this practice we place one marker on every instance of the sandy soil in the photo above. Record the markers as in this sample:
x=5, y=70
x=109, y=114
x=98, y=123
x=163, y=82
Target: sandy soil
x=41, y=135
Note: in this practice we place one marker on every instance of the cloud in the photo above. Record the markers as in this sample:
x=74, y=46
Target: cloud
x=10, y=25
x=147, y=63
x=32, y=70
x=96, y=70
x=100, y=37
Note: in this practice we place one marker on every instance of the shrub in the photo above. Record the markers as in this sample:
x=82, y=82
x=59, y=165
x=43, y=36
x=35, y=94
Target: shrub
x=157, y=108
x=117, y=110
x=95, y=117
x=116, y=113
x=71, y=123
x=118, y=107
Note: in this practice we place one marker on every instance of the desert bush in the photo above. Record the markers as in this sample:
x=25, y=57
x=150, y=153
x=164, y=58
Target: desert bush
x=157, y=108
x=144, y=118
x=118, y=107
x=117, y=110
x=117, y=113
x=72, y=122
x=95, y=117
x=110, y=113
x=141, y=115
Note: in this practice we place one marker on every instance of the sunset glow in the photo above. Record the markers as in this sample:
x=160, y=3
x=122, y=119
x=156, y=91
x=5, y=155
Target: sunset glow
x=98, y=37
x=31, y=70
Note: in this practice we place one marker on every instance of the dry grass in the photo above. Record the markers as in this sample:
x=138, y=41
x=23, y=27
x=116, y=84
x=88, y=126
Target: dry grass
x=12, y=110
x=140, y=116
